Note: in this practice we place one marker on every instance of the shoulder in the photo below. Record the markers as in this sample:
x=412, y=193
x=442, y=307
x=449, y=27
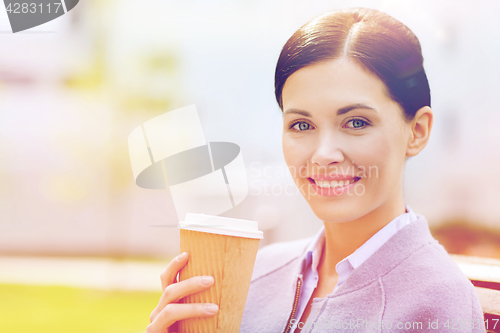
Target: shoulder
x=276, y=255
x=431, y=265
x=430, y=268
x=430, y=286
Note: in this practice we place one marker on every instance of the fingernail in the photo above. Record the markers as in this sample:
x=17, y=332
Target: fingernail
x=211, y=308
x=207, y=280
x=181, y=256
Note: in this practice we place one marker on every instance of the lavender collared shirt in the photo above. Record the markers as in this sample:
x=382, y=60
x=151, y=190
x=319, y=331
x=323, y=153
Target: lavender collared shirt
x=345, y=267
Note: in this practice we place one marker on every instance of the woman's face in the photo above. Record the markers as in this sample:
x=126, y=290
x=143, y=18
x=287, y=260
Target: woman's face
x=341, y=127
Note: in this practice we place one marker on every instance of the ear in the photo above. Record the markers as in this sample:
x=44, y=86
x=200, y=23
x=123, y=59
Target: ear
x=420, y=130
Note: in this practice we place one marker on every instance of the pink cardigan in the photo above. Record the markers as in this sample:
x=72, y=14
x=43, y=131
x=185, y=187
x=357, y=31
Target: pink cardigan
x=410, y=284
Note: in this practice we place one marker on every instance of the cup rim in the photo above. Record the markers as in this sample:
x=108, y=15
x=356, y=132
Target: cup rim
x=221, y=225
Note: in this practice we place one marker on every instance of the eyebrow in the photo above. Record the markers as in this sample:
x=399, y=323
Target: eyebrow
x=340, y=111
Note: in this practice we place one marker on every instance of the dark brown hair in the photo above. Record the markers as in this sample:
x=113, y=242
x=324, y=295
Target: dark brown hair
x=375, y=40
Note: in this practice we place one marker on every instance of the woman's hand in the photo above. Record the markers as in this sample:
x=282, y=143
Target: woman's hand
x=168, y=312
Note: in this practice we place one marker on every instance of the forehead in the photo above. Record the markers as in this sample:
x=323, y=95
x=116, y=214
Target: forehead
x=334, y=83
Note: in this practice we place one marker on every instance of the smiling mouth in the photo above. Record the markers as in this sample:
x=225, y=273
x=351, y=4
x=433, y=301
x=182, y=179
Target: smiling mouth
x=333, y=183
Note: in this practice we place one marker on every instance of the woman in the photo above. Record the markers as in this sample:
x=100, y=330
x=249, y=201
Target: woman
x=356, y=104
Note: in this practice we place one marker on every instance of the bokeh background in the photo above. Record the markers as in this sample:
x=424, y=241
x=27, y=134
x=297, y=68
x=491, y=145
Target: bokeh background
x=80, y=246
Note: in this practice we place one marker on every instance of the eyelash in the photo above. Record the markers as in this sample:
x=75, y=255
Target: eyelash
x=360, y=119
x=350, y=121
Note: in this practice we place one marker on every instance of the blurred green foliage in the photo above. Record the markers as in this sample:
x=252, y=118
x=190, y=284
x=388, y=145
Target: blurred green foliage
x=54, y=309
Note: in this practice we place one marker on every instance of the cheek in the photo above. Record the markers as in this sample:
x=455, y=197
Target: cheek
x=294, y=153
x=285, y=146
x=383, y=156
x=372, y=155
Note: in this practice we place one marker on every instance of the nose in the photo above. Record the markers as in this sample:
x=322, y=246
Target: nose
x=328, y=151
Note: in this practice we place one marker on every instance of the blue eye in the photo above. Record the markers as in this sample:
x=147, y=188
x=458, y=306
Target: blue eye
x=301, y=126
x=357, y=123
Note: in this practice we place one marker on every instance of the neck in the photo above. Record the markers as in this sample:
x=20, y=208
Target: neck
x=342, y=239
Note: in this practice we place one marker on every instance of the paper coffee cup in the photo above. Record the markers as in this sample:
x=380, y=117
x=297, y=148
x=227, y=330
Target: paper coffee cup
x=224, y=248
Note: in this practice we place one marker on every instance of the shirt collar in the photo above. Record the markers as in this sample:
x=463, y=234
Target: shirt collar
x=376, y=241
x=355, y=259
x=313, y=251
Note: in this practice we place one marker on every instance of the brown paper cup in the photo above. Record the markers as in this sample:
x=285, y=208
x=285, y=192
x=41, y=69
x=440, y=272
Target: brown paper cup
x=230, y=260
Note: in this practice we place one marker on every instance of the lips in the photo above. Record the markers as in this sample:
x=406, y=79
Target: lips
x=340, y=187
x=332, y=176
x=333, y=182
x=328, y=183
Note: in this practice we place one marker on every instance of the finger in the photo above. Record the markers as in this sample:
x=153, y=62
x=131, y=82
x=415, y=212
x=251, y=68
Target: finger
x=167, y=277
x=174, y=328
x=176, y=311
x=174, y=292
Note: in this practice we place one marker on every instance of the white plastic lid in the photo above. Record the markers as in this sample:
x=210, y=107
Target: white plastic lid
x=221, y=225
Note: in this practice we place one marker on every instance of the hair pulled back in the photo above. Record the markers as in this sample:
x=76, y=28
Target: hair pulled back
x=373, y=39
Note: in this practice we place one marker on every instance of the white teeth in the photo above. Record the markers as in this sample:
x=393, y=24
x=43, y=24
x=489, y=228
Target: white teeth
x=333, y=183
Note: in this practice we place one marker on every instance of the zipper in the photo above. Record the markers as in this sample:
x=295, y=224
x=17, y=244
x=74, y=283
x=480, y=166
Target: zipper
x=295, y=304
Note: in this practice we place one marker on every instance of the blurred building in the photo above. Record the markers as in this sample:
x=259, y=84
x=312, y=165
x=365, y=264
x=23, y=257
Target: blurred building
x=72, y=90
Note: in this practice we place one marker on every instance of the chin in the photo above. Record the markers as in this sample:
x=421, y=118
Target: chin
x=336, y=212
